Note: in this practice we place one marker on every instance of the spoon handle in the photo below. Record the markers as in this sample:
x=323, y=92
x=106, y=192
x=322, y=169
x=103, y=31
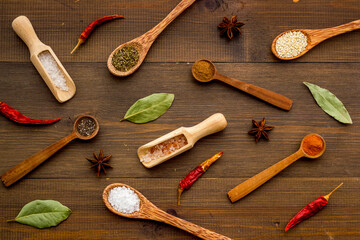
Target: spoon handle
x=161, y=216
x=24, y=29
x=26, y=166
x=271, y=97
x=214, y=123
x=152, y=34
x=256, y=181
x=319, y=35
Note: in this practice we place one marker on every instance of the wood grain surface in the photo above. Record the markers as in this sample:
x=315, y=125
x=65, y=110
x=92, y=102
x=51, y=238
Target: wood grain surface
x=66, y=177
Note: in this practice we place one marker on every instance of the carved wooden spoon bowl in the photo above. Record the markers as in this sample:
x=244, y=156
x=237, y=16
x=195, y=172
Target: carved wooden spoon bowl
x=149, y=211
x=316, y=36
x=143, y=43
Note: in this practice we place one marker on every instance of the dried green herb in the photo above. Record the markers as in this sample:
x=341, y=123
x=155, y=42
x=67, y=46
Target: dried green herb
x=42, y=213
x=125, y=58
x=329, y=103
x=149, y=108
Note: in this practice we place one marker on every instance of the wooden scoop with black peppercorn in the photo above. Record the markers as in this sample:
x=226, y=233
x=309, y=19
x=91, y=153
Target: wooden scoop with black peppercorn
x=85, y=127
x=204, y=70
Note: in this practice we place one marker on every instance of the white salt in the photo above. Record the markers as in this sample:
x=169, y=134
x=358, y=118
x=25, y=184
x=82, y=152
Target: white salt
x=124, y=200
x=52, y=68
x=291, y=44
x=165, y=148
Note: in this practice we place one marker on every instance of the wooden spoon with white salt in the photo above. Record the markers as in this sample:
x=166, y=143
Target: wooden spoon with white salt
x=313, y=38
x=45, y=61
x=148, y=210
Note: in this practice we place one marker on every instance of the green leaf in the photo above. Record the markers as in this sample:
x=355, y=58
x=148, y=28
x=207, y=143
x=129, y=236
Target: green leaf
x=329, y=103
x=43, y=213
x=149, y=108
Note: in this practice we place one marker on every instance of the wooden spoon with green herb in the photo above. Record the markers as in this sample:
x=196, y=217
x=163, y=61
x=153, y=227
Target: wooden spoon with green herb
x=128, y=57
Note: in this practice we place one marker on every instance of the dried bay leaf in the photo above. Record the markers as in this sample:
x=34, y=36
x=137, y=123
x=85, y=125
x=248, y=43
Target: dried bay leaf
x=43, y=213
x=149, y=108
x=329, y=103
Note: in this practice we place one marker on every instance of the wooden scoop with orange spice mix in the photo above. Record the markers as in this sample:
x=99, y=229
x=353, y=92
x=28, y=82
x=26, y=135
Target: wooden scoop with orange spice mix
x=312, y=146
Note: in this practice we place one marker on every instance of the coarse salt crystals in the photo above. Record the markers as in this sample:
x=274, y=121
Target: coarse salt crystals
x=124, y=200
x=291, y=44
x=165, y=148
x=52, y=68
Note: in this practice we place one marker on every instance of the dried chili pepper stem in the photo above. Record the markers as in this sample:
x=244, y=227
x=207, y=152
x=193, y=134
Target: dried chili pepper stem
x=310, y=209
x=189, y=179
x=90, y=28
x=18, y=117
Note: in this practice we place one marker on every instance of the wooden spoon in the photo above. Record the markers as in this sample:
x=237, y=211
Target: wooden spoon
x=149, y=211
x=256, y=181
x=316, y=36
x=143, y=43
x=212, y=124
x=23, y=28
x=23, y=168
x=273, y=98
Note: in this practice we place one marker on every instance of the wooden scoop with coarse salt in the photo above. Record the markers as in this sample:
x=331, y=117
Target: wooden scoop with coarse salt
x=143, y=43
x=179, y=141
x=312, y=146
x=63, y=87
x=316, y=36
x=147, y=210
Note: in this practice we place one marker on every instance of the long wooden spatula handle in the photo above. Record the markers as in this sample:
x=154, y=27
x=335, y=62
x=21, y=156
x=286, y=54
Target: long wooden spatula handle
x=271, y=97
x=159, y=215
x=256, y=181
x=26, y=166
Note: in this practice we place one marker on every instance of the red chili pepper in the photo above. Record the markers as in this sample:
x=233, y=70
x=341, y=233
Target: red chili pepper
x=88, y=30
x=16, y=116
x=310, y=209
x=189, y=179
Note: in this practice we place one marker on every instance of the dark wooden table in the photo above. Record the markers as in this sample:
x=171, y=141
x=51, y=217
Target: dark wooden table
x=66, y=176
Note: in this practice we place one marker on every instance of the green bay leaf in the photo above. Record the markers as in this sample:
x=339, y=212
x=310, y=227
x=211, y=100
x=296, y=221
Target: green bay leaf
x=43, y=213
x=149, y=108
x=329, y=103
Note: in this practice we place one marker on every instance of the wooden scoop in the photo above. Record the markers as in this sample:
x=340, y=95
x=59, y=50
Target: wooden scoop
x=256, y=181
x=23, y=28
x=23, y=168
x=212, y=124
x=316, y=36
x=149, y=211
x=143, y=43
x=273, y=98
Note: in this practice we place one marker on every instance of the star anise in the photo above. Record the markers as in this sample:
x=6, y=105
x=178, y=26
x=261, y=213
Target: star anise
x=230, y=27
x=100, y=162
x=260, y=130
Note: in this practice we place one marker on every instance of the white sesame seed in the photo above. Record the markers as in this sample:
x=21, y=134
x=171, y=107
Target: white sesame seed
x=291, y=44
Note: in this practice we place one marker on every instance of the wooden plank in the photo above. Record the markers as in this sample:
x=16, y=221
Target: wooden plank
x=108, y=98
x=193, y=35
x=202, y=205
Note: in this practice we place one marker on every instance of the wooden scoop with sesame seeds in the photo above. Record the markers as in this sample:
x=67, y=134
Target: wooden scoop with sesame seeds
x=148, y=210
x=316, y=36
